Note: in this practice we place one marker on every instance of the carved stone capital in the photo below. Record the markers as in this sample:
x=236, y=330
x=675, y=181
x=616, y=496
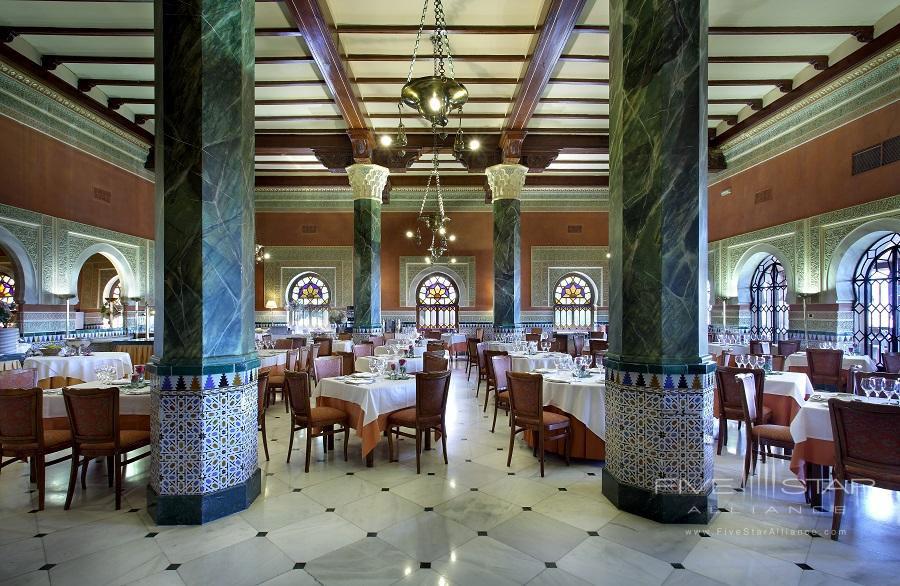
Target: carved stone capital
x=506, y=181
x=367, y=180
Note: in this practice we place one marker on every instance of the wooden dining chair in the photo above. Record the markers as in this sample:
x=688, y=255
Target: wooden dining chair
x=18, y=378
x=866, y=447
x=363, y=349
x=527, y=413
x=345, y=336
x=328, y=367
x=759, y=347
x=533, y=337
x=317, y=421
x=262, y=388
x=432, y=334
x=729, y=392
x=726, y=358
x=891, y=361
x=824, y=368
x=760, y=436
x=558, y=345
x=23, y=436
x=788, y=347
x=324, y=343
x=429, y=413
x=276, y=379
x=482, y=366
x=500, y=365
x=436, y=346
x=471, y=356
x=94, y=420
x=490, y=383
x=58, y=382
x=377, y=341
x=479, y=334
x=596, y=335
x=284, y=344
x=348, y=362
x=298, y=342
x=309, y=365
x=596, y=345
x=856, y=376
x=434, y=362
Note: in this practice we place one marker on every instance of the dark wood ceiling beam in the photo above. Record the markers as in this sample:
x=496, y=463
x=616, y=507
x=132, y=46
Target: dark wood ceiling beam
x=861, y=55
x=559, y=19
x=820, y=62
x=286, y=118
x=314, y=21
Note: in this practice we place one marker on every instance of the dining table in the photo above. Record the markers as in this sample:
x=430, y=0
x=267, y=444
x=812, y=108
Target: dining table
x=456, y=343
x=413, y=365
x=496, y=346
x=134, y=404
x=368, y=400
x=83, y=367
x=783, y=393
x=527, y=362
x=716, y=348
x=390, y=349
x=797, y=360
x=342, y=346
x=272, y=360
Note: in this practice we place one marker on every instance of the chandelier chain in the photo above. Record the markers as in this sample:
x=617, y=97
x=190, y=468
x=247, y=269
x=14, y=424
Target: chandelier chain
x=418, y=37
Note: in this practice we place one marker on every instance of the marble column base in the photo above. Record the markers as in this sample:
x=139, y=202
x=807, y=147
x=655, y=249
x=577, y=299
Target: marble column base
x=203, y=431
x=659, y=442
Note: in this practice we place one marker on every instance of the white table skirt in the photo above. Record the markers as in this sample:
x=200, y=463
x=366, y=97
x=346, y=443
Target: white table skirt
x=381, y=397
x=81, y=367
x=272, y=358
x=585, y=400
x=526, y=363
x=389, y=350
x=789, y=384
x=342, y=346
x=453, y=339
x=131, y=402
x=814, y=420
x=716, y=349
x=412, y=364
x=850, y=360
x=10, y=365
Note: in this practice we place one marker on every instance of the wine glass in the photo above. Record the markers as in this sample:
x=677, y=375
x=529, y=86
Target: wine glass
x=868, y=386
x=889, y=387
x=740, y=360
x=373, y=365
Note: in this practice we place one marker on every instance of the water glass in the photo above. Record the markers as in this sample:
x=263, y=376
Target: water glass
x=868, y=386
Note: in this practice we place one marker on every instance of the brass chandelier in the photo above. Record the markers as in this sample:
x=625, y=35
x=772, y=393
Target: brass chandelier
x=435, y=98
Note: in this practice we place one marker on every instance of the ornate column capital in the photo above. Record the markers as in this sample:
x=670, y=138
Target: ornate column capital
x=506, y=181
x=367, y=180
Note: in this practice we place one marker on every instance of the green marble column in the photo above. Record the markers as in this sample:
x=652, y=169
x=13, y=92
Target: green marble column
x=203, y=380
x=506, y=182
x=660, y=379
x=368, y=183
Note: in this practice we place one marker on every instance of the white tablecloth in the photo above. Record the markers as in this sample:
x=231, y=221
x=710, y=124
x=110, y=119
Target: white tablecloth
x=380, y=397
x=342, y=346
x=814, y=421
x=10, y=365
x=850, y=360
x=453, y=339
x=584, y=399
x=82, y=367
x=412, y=364
x=388, y=350
x=716, y=349
x=270, y=358
x=499, y=346
x=527, y=363
x=789, y=384
x=131, y=402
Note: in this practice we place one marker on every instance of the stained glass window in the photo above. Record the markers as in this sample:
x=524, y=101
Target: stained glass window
x=876, y=285
x=7, y=288
x=573, y=300
x=768, y=301
x=310, y=298
x=438, y=303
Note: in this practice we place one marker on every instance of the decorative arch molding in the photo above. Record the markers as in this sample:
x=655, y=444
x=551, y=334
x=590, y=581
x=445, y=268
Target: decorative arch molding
x=26, y=276
x=458, y=280
x=286, y=294
x=747, y=263
x=594, y=289
x=839, y=278
x=129, y=286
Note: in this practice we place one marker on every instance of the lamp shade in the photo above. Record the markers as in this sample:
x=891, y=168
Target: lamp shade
x=270, y=304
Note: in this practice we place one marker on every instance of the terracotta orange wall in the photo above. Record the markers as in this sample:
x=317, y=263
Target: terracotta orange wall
x=811, y=179
x=286, y=229
x=551, y=229
x=44, y=175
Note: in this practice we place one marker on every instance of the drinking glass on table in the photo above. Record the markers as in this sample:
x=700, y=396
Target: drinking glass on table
x=890, y=387
x=868, y=386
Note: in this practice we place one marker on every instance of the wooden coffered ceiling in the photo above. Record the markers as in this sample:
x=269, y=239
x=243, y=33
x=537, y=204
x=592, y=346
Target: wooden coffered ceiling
x=329, y=72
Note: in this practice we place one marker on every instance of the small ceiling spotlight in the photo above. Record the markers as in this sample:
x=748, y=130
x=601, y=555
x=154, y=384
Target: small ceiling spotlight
x=386, y=140
x=474, y=144
x=409, y=234
x=453, y=260
x=452, y=238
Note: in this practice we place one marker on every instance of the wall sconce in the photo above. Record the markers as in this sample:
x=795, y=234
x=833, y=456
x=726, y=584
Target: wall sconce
x=270, y=304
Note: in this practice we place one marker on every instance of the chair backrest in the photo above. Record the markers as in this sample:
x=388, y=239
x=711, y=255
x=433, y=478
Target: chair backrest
x=557, y=345
x=479, y=334
x=725, y=358
x=598, y=345
x=284, y=344
x=854, y=381
x=759, y=347
x=311, y=356
x=778, y=362
x=595, y=334
x=479, y=349
x=472, y=349
x=533, y=337
x=58, y=382
x=290, y=358
x=93, y=415
x=364, y=349
x=537, y=331
x=788, y=347
x=578, y=344
x=345, y=336
x=437, y=346
x=348, y=362
x=746, y=387
x=891, y=361
x=21, y=417
x=526, y=397
x=432, y=334
x=597, y=358
x=378, y=340
x=324, y=345
x=730, y=390
x=298, y=342
x=432, y=389
x=501, y=365
x=19, y=378
x=328, y=367
x=824, y=365
x=488, y=362
x=262, y=383
x=867, y=441
x=434, y=362
x=297, y=386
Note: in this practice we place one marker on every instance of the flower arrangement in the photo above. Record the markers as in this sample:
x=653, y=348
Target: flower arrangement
x=5, y=315
x=336, y=316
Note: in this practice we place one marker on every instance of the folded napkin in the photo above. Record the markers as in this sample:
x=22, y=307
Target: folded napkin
x=544, y=370
x=558, y=380
x=359, y=381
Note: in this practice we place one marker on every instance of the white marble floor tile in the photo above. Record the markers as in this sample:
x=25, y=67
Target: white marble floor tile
x=600, y=561
x=188, y=543
x=853, y=563
x=541, y=537
x=477, y=510
x=576, y=510
x=305, y=540
x=369, y=561
x=121, y=564
x=164, y=578
x=246, y=563
x=669, y=543
x=378, y=511
x=340, y=491
x=518, y=490
x=557, y=577
x=291, y=578
x=100, y=535
x=21, y=557
x=429, y=491
x=790, y=545
x=268, y=514
x=427, y=536
x=733, y=565
x=487, y=562
x=35, y=578
x=689, y=578
x=425, y=577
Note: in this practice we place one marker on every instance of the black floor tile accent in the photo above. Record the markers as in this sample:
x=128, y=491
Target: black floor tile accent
x=424, y=565
x=372, y=534
x=561, y=489
x=593, y=533
x=47, y=566
x=299, y=565
x=151, y=535
x=133, y=510
x=677, y=566
x=723, y=510
x=591, y=474
x=39, y=535
x=510, y=473
x=384, y=489
x=803, y=566
x=703, y=534
x=262, y=533
x=813, y=534
x=550, y=564
x=350, y=473
x=431, y=474
x=329, y=510
x=173, y=566
x=482, y=534
x=473, y=490
x=297, y=490
x=738, y=490
x=429, y=508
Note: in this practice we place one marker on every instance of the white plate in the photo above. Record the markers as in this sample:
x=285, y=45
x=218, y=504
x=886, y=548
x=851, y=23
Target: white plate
x=363, y=375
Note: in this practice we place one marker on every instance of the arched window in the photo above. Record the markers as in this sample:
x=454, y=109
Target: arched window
x=437, y=303
x=7, y=289
x=875, y=289
x=573, y=301
x=768, y=301
x=310, y=298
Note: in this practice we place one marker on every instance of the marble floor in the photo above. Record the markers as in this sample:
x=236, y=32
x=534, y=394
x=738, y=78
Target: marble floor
x=474, y=522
